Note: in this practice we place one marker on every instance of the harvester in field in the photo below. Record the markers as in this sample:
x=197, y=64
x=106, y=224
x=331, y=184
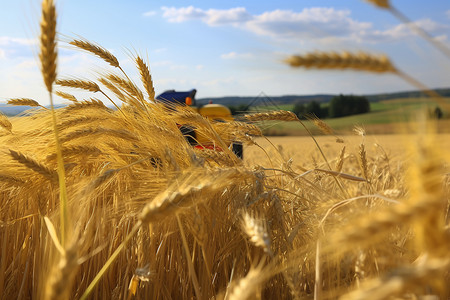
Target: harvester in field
x=214, y=112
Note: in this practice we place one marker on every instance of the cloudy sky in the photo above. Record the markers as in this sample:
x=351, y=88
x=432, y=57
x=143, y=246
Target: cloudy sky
x=225, y=48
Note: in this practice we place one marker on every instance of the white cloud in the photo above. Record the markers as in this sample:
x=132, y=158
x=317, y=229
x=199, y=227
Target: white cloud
x=234, y=55
x=316, y=23
x=212, y=17
x=2, y=54
x=12, y=46
x=160, y=50
x=150, y=13
x=403, y=31
x=6, y=41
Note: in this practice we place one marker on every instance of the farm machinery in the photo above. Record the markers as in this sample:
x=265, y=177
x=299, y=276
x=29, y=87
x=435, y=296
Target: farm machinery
x=214, y=112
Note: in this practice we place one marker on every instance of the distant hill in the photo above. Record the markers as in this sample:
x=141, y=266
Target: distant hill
x=12, y=110
x=321, y=98
x=287, y=99
x=444, y=92
x=263, y=98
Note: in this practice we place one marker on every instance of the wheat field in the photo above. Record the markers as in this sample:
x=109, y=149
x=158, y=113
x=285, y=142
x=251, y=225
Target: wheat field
x=102, y=203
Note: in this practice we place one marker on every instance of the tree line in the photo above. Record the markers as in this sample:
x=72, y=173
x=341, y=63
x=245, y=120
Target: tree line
x=339, y=106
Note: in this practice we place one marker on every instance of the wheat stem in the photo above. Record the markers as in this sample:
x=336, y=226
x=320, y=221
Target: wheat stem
x=110, y=260
x=189, y=260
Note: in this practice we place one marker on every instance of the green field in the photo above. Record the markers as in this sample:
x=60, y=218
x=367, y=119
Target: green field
x=385, y=117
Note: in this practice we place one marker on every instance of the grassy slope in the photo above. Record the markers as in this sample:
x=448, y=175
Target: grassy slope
x=385, y=117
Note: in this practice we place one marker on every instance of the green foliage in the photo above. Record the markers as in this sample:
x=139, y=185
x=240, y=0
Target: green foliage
x=347, y=105
x=310, y=108
x=438, y=114
x=238, y=109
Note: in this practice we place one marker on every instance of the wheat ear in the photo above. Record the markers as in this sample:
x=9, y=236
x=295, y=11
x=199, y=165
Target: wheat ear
x=256, y=229
x=280, y=115
x=247, y=287
x=48, y=52
x=380, y=3
x=121, y=134
x=127, y=86
x=340, y=161
x=96, y=50
x=79, y=84
x=363, y=160
x=323, y=127
x=66, y=96
x=33, y=164
x=5, y=123
x=91, y=103
x=146, y=78
x=332, y=60
x=24, y=102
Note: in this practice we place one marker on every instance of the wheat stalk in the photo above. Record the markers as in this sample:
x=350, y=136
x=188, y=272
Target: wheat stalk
x=184, y=193
x=11, y=179
x=96, y=50
x=80, y=120
x=332, y=60
x=48, y=56
x=121, y=134
x=127, y=86
x=403, y=279
x=92, y=103
x=61, y=277
x=112, y=88
x=76, y=150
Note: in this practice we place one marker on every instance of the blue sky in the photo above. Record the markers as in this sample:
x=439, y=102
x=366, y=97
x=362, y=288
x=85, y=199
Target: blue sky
x=225, y=48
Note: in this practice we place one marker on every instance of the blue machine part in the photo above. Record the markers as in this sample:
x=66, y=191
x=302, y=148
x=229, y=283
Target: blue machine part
x=172, y=96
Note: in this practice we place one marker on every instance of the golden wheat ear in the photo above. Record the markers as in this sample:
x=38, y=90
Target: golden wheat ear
x=5, y=123
x=332, y=60
x=23, y=101
x=380, y=3
x=146, y=78
x=96, y=50
x=79, y=84
x=48, y=52
x=66, y=96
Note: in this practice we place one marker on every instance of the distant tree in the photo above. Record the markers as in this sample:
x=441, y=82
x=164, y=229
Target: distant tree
x=300, y=110
x=341, y=106
x=238, y=109
x=313, y=108
x=438, y=113
x=310, y=108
